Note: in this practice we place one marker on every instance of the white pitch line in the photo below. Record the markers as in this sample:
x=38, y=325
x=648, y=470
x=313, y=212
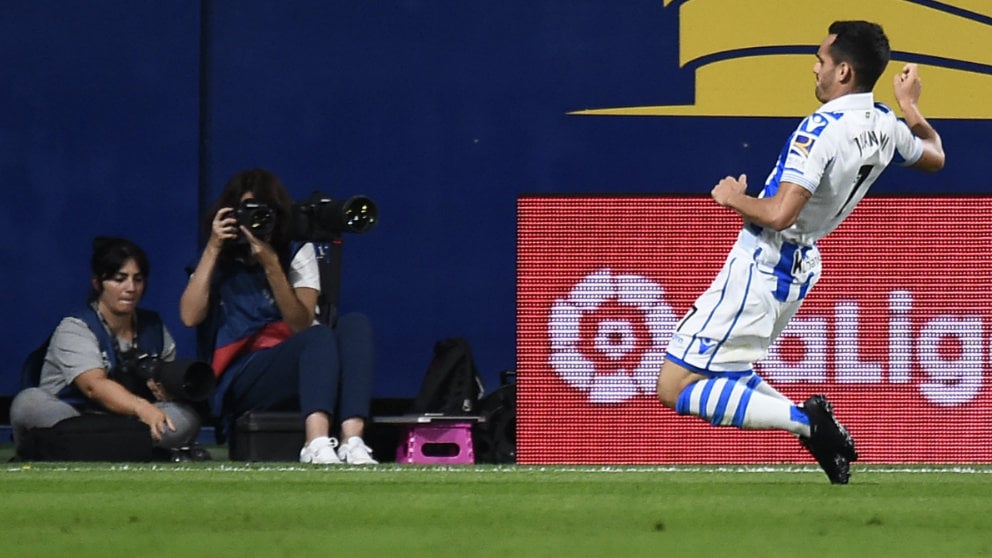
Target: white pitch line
x=508, y=469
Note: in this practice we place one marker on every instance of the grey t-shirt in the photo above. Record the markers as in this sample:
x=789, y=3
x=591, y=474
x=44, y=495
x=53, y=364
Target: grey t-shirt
x=74, y=349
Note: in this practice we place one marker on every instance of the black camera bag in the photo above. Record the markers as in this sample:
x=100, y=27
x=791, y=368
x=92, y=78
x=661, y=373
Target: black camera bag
x=494, y=438
x=88, y=437
x=452, y=385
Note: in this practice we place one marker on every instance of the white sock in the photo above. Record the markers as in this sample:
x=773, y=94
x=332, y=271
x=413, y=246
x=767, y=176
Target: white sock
x=741, y=402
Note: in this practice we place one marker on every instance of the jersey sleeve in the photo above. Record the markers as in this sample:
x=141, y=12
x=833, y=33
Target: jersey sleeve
x=303, y=270
x=74, y=349
x=808, y=152
x=909, y=148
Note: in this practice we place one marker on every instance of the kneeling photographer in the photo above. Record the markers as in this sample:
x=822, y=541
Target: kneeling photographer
x=106, y=385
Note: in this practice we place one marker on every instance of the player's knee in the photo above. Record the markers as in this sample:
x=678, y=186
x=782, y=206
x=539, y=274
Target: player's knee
x=671, y=381
x=667, y=397
x=668, y=389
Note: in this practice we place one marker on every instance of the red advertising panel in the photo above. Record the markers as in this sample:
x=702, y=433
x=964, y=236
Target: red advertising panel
x=897, y=333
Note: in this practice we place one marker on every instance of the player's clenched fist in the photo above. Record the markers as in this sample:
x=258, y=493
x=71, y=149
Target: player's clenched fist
x=907, y=84
x=729, y=188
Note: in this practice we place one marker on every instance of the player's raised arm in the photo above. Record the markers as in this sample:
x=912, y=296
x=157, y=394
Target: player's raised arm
x=908, y=86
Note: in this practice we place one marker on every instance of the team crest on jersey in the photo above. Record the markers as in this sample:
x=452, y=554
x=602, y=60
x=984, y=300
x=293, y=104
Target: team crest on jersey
x=802, y=144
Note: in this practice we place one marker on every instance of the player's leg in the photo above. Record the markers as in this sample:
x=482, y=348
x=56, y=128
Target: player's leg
x=784, y=314
x=707, y=371
x=728, y=400
x=829, y=441
x=742, y=402
x=768, y=389
x=672, y=380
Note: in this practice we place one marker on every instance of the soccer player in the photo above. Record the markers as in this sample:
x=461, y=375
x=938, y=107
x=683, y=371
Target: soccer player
x=824, y=170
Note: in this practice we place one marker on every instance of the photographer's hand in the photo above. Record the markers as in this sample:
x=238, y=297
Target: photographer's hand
x=223, y=228
x=195, y=301
x=296, y=312
x=156, y=420
x=262, y=251
x=117, y=399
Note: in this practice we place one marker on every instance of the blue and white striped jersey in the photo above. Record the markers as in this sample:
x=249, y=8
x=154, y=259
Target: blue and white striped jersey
x=837, y=153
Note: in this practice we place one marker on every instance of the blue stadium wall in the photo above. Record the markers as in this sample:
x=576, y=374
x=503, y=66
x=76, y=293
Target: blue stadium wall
x=125, y=117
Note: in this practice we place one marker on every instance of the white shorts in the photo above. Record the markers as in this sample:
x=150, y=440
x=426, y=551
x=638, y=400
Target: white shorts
x=732, y=324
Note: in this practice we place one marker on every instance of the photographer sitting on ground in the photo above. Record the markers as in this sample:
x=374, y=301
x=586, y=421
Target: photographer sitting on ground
x=90, y=356
x=255, y=302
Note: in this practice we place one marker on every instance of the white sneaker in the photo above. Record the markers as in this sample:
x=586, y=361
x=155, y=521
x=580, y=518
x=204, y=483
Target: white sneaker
x=320, y=450
x=355, y=452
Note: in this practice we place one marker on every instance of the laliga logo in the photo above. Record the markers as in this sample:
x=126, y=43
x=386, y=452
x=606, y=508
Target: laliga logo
x=608, y=337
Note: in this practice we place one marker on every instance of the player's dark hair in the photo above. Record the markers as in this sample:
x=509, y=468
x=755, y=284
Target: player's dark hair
x=109, y=256
x=865, y=47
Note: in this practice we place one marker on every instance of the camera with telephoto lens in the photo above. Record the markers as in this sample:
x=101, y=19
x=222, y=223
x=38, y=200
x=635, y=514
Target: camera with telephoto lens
x=321, y=218
x=257, y=217
x=188, y=380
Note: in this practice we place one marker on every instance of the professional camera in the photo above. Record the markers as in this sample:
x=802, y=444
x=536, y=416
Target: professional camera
x=257, y=217
x=322, y=218
x=188, y=380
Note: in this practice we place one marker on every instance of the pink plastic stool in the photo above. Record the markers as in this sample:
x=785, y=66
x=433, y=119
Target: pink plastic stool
x=428, y=439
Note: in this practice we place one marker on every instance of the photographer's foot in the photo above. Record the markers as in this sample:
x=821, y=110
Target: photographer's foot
x=320, y=451
x=355, y=452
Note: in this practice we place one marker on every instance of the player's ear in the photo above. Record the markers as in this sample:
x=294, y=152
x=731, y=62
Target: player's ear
x=845, y=73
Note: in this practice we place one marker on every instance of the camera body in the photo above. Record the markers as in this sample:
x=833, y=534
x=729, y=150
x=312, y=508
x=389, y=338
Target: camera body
x=257, y=217
x=185, y=380
x=141, y=365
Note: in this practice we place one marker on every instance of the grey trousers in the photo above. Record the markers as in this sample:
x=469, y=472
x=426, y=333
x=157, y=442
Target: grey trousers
x=36, y=408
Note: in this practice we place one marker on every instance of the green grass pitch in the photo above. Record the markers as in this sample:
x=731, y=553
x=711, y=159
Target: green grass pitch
x=221, y=509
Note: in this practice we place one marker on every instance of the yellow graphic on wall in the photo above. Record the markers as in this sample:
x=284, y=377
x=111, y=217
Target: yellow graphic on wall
x=755, y=57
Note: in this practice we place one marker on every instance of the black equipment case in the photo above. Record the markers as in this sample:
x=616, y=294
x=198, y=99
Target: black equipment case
x=267, y=436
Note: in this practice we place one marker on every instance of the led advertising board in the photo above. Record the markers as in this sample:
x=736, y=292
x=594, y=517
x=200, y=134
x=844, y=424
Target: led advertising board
x=897, y=333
